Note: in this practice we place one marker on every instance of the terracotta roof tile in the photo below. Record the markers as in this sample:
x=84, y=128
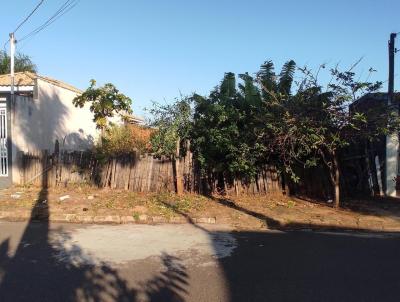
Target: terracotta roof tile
x=28, y=79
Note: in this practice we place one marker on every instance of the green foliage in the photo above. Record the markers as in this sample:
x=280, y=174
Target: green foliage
x=223, y=134
x=117, y=140
x=286, y=77
x=267, y=77
x=104, y=102
x=240, y=127
x=272, y=86
x=123, y=140
x=22, y=63
x=315, y=124
x=172, y=123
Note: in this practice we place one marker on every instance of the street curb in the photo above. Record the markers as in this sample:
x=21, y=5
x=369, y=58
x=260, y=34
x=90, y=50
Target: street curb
x=24, y=215
x=104, y=219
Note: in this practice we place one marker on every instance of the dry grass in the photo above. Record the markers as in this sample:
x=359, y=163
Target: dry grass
x=242, y=212
x=103, y=201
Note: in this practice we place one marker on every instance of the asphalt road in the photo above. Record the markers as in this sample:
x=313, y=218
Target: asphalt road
x=42, y=262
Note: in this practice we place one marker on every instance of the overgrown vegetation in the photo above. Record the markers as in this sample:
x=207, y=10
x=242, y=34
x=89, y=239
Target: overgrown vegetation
x=141, y=137
x=172, y=136
x=117, y=140
x=108, y=104
x=124, y=140
x=270, y=118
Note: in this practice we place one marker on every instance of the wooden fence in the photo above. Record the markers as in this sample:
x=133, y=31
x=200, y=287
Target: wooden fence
x=136, y=172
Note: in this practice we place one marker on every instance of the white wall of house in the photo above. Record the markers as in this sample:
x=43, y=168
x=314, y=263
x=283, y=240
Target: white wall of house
x=392, y=164
x=49, y=116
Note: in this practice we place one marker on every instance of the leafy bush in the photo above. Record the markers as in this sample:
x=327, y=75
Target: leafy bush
x=141, y=137
x=117, y=140
x=124, y=139
x=173, y=122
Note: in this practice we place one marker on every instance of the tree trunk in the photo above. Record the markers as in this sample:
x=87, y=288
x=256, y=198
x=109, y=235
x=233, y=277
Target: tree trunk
x=336, y=180
x=178, y=176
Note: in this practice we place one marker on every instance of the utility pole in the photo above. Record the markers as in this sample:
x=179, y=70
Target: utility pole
x=392, y=140
x=392, y=51
x=12, y=55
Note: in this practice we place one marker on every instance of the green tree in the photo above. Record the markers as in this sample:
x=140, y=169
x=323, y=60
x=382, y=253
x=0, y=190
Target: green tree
x=238, y=128
x=275, y=90
x=315, y=124
x=171, y=138
x=105, y=102
x=22, y=63
x=218, y=139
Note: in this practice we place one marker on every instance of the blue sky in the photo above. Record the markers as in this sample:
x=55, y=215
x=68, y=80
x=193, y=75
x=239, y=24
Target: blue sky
x=155, y=50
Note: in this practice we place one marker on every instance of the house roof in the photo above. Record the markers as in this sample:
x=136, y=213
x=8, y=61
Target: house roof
x=376, y=96
x=133, y=119
x=27, y=78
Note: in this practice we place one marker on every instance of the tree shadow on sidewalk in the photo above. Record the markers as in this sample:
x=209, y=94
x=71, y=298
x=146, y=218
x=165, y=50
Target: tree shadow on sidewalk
x=273, y=224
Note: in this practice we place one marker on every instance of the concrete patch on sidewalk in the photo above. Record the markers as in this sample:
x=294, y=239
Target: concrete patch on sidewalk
x=123, y=243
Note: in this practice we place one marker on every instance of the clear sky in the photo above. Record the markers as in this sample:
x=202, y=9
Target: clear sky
x=155, y=50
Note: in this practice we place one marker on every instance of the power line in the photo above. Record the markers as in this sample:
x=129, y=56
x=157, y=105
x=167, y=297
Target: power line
x=32, y=12
x=23, y=22
x=66, y=7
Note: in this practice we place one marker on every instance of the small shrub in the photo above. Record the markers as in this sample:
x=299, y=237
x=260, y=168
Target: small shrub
x=124, y=139
x=141, y=137
x=291, y=204
x=135, y=216
x=117, y=140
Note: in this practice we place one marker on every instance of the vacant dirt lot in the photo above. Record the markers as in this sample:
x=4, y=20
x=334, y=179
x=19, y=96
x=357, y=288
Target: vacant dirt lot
x=247, y=212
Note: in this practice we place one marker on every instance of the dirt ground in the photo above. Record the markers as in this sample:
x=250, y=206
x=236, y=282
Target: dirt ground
x=246, y=212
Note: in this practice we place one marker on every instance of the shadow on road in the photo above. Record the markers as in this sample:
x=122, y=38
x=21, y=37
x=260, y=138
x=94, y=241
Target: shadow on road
x=309, y=266
x=36, y=273
x=283, y=265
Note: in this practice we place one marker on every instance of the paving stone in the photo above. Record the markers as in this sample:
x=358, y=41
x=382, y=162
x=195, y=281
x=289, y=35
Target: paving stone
x=58, y=217
x=178, y=220
x=99, y=219
x=159, y=219
x=143, y=218
x=107, y=219
x=84, y=219
x=210, y=220
x=127, y=219
x=113, y=219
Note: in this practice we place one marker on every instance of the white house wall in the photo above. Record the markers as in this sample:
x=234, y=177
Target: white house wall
x=38, y=122
x=392, y=157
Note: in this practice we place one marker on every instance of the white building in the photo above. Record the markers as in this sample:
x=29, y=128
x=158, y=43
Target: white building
x=41, y=115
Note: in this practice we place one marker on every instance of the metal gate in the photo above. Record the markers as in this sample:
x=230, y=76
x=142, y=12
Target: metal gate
x=3, y=141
